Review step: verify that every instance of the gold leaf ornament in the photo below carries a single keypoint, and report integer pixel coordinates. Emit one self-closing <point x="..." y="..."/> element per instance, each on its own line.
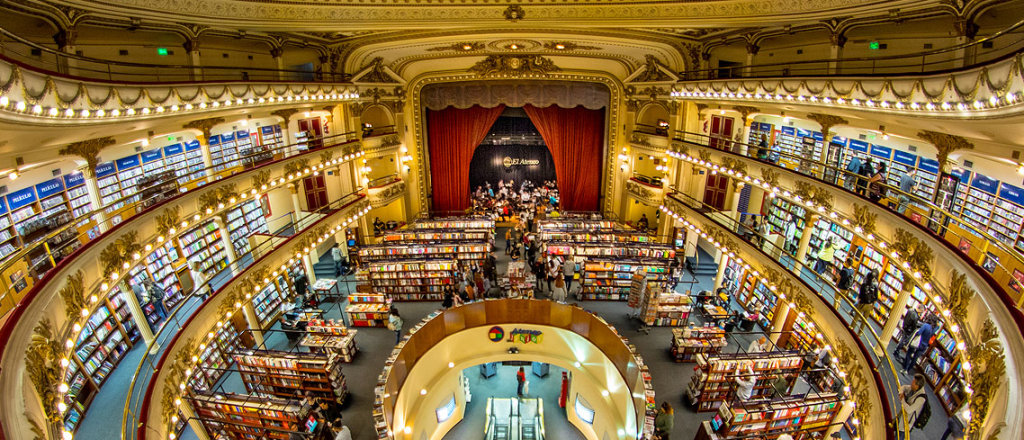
<point x="73" y="294"/>
<point x="42" y="363"/>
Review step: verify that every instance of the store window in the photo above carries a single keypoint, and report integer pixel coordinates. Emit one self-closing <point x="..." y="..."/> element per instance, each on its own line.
<point x="583" y="410"/>
<point x="446" y="410"/>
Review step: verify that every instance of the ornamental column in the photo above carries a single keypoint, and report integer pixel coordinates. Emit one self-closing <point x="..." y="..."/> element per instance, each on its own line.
<point x="89" y="150"/>
<point x="285" y="149"/>
<point x="752" y="50"/>
<point x="204" y="126"/>
<point x="838" y="42"/>
<point x="779" y="321"/>
<point x="723" y="262"/>
<point x="229" y="245"/>
<point x="92" y="188"/>
<point x="966" y="30"/>
<point x="296" y="207"/>
<point x="895" y="313"/>
<point x="191" y="47"/>
<point x="734" y="207"/>
<point x="193" y="422"/>
<point x="254" y="322"/>
<point x="136" y="311"/>
<point x="705" y="65"/>
<point x="278" y="54"/>
<point x="805" y="237"/>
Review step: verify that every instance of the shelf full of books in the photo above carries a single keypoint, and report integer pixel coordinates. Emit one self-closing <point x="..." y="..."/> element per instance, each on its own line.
<point x="330" y="336"/>
<point x="411" y="280"/>
<point x="244" y="417"/>
<point x="713" y="384"/>
<point x="610" y="279"/>
<point x="454" y="223"/>
<point x="411" y="236"/>
<point x="245" y="220"/>
<point x="101" y="345"/>
<point x="368" y="310"/>
<point x="651" y="251"/>
<point x="942" y="365"/>
<point x="464" y="252"/>
<point x="214" y="358"/>
<point x="203" y="244"/>
<point x="291" y="374"/>
<point x="688" y="342"/>
<point x="578" y="225"/>
<point x="804" y="417"/>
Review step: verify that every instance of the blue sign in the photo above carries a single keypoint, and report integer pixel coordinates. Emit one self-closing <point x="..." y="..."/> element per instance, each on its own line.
<point x="929" y="165"/>
<point x="3" y="206"/>
<point x="171" y="150"/>
<point x="985" y="184"/>
<point x="151" y="155"/>
<point x="788" y="130"/>
<point x="1011" y="193"/>
<point x="50" y="187"/>
<point x="127" y="162"/>
<point x="242" y="134"/>
<point x="227" y="137"/>
<point x="214" y="140"/>
<point x="192" y="146"/>
<point x="905" y="158"/>
<point x="963" y="175"/>
<point x="818" y="136"/>
<point x="277" y="129"/>
<point x="74" y="179"/>
<point x="105" y="169"/>
<point x="268" y="129"/>
<point x="839" y="140"/>
<point x="859" y="145"/>
<point x="21" y="198"/>
<point x="803" y="133"/>
<point x="880" y="151"/>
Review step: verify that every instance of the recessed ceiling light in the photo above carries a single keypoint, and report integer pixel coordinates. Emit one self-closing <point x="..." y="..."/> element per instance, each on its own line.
<point x="467" y="47"/>
<point x="559" y="46"/>
<point x="514" y="47"/>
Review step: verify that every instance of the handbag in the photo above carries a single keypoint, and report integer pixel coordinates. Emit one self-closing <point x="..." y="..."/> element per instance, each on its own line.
<point x="915" y="341"/>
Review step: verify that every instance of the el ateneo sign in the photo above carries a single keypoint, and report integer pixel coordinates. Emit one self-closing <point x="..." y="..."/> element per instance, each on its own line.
<point x="509" y="162"/>
<point x="517" y="335"/>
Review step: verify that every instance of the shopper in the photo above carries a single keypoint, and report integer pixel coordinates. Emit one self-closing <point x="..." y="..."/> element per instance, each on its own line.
<point x="395" y="324"/>
<point x="957" y="424"/>
<point x="866" y="298"/>
<point x="876" y="182"/>
<point x="520" y="381"/>
<point x="825" y="256"/>
<point x="911" y="321"/>
<point x="553" y="271"/>
<point x="643" y="224"/>
<point x="301" y="284"/>
<point x="341" y="432"/>
<point x="923" y="338"/>
<point x="338" y="259"/>
<point x="762" y="148"/>
<point x="760" y="345"/>
<point x="907" y="186"/>
<point x="155" y="295"/>
<point x="486" y="292"/>
<point x="559" y="293"/>
<point x="745" y="381"/>
<point x="449" y="298"/>
<point x="912" y="400"/>
<point x="852" y="169"/>
<point x="200" y="282"/>
<point x="508" y="240"/>
<point x="867" y="169"/>
<point x="790" y="233"/>
<point x="568" y="271"/>
<point x="664" y="421"/>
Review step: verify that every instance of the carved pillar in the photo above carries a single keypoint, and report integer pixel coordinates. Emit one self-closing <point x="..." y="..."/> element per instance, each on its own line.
<point x="324" y="68"/>
<point x="204" y="126"/>
<point x="288" y="143"/>
<point x="90" y="150"/>
<point x="92" y="188"/>
<point x="752" y="50"/>
<point x="778" y="321"/>
<point x="191" y="47"/>
<point x="734" y="203"/>
<point x="838" y="42"/>
<point x="966" y="30"/>
<point x="297" y="208"/>
<point x="278" y="54"/>
<point x="720" y="276"/>
<point x="945" y="144"/>
<point x="254" y="322"/>
<point x="805" y="238"/>
<point x="65" y="40"/>
<point x="705" y="65"/>
<point x="193" y="421"/>
<point x="745" y="112"/>
<point x="896" y="312"/>
<point x="229" y="246"/>
<point x="136" y="311"/>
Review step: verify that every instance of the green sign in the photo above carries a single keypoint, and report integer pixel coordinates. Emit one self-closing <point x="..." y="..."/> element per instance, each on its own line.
<point x="162" y="51"/>
<point x="170" y="138"/>
<point x="873" y="45"/>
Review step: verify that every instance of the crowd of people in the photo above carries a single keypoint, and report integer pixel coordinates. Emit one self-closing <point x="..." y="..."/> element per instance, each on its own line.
<point x="510" y="201"/>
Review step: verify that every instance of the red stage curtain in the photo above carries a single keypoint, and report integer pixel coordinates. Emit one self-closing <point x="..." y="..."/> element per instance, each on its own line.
<point x="453" y="135"/>
<point x="575" y="137"/>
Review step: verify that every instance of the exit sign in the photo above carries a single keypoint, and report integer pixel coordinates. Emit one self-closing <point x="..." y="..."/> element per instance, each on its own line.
<point x="873" y="45"/>
<point x="162" y="51"/>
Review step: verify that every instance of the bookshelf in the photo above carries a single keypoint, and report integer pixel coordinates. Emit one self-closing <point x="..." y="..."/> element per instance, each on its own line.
<point x="688" y="342"/>
<point x="463" y="252"/>
<point x="269" y="300"/>
<point x="81" y="392"/>
<point x="805" y="417"/>
<point x="942" y="367"/>
<point x="411" y="280"/>
<point x="160" y="264"/>
<point x="330" y="336"/>
<point x="245" y="220"/>
<point x="646" y="251"/>
<point x="673" y="309"/>
<point x="288" y="373"/>
<point x="243" y="417"/>
<point x="203" y="243"/>
<point x="214" y="359"/>
<point x="437" y="236"/>
<point x="454" y="223"/>
<point x="713" y="382"/>
<point x="610" y="279"/>
<point x="129" y="171"/>
<point x="368" y="310"/>
<point x="101" y="345"/>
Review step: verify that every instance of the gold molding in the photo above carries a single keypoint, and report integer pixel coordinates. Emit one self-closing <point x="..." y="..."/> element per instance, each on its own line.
<point x="119" y="252"/>
<point x="73" y="294"/>
<point x="945" y="144"/>
<point x="505" y="66"/>
<point x="204" y="126"/>
<point x="88" y="150"/>
<point x="42" y="363"/>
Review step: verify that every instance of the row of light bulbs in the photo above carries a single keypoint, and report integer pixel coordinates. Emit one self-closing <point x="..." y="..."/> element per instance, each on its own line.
<point x="991" y="103"/>
<point x="149" y="248"/>
<point x="809" y="206"/>
<point x="54" y="112"/>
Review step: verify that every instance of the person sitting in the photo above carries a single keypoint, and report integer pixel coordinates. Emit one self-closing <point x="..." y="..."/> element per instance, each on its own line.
<point x="378" y="226"/>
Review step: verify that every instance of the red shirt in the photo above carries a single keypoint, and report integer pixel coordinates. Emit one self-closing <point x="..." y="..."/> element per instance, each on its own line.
<point x="520" y="376"/>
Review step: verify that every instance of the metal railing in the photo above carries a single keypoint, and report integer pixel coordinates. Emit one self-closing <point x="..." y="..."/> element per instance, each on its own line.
<point x="934" y="218"/>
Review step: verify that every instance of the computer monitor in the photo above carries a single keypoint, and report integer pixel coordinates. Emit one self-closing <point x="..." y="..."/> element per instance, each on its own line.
<point x="351" y="242"/>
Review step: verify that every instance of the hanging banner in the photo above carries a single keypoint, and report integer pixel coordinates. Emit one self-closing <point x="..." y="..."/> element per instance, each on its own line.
<point x="50" y="187"/>
<point x="171" y="150"/>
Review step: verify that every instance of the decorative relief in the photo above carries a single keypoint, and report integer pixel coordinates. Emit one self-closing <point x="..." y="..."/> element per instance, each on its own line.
<point x="42" y="363"/>
<point x="827" y="122"/>
<point x="285" y="113"/>
<point x="169" y="219"/>
<point x="734" y="164"/>
<point x="390" y="141"/>
<point x="567" y="46"/>
<point x="88" y="150"/>
<point x="914" y="251"/>
<point x="204" y="126"/>
<point x="770" y="176"/>
<point x="514" y="66"/>
<point x="946" y="144"/>
<point x="514" y="13"/>
<point x="640" y="140"/>
<point x="380" y="197"/>
<point x="73" y="294"/>
<point x="987" y="374"/>
<point x="652" y="71"/>
<point x="864" y="217"/>
<point x="458" y="47"/>
<point x="119" y="252"/>
<point x="261" y="179"/>
<point x="296" y="166"/>
<point x="960" y="295"/>
<point x="645" y="194"/>
<point x="375" y="72"/>
<point x="858" y="383"/>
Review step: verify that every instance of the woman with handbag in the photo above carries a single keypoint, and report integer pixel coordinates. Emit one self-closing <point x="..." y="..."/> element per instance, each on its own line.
<point x="664" y="421"/>
<point x="395" y="324"/>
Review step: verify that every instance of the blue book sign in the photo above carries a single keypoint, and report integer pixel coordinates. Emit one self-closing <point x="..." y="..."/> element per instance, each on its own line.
<point x="242" y="134"/>
<point x="858" y="145"/>
<point x="905" y="158"/>
<point x="127" y="162"/>
<point x="50" y="187"/>
<point x="267" y="129"/>
<point x="880" y="151"/>
<point x="3" y="206"/>
<point x="21" y="198"/>
<point x="74" y="179"/>
<point x="105" y="169"/>
<point x="788" y="130"/>
<point x="929" y="165"/>
<point x="171" y="150"/>
<point x="227" y="137"/>
<point x="151" y="155"/>
<point x="985" y="184"/>
<point x="1011" y="193"/>
<point x="214" y="140"/>
<point x="192" y="146"/>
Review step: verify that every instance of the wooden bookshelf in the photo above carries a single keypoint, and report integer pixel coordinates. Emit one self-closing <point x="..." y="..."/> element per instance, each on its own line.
<point x="411" y="236"/>
<point x="368" y="310"/>
<point x="805" y="417"/>
<point x="713" y="383"/>
<point x="687" y="343"/>
<point x="288" y="374"/>
<point x="329" y="336"/>
<point x="611" y="279"/>
<point x="244" y="417"/>
<point x="411" y="280"/>
<point x="464" y="252"/>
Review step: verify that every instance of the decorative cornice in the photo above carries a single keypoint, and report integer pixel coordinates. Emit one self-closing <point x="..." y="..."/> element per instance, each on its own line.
<point x="120" y="252"/>
<point x="514" y="13"/>
<point x="42" y="363"/>
<point x="645" y="194"/>
<point x="827" y="122"/>
<point x="88" y="150"/>
<point x="567" y="46"/>
<point x="746" y="110"/>
<point x="514" y="66"/>
<point x="380" y="197"/>
<point x="459" y="47"/>
<point x="945" y="144"/>
<point x="204" y="126"/>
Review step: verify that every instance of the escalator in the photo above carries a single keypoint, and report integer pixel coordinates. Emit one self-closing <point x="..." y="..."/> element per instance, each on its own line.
<point x="514" y="419"/>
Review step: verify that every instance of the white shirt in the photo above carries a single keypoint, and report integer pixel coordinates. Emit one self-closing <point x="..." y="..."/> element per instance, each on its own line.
<point x="745" y="385"/>
<point x="198" y="279"/>
<point x="336" y="254"/>
<point x="755" y="347"/>
<point x="344" y="434"/>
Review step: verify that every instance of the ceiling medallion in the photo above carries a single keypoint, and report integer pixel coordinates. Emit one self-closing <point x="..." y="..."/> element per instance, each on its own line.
<point x="514" y="13"/>
<point x="458" y="47"/>
<point x="514" y="65"/>
<point x="514" y="45"/>
<point x="567" y="46"/>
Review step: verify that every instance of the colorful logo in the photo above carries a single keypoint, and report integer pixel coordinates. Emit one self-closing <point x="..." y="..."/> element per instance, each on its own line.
<point x="496" y="334"/>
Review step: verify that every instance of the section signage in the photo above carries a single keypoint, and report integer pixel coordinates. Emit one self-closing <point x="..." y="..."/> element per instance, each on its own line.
<point x="905" y="158"/>
<point x="151" y="155"/>
<point x="74" y="179"/>
<point x="985" y="184"/>
<point x="21" y="198"/>
<point x="105" y="169"/>
<point x="929" y="165"/>
<point x="880" y="151"/>
<point x="1011" y="193"/>
<point x="127" y="162"/>
<point x="858" y="145"/>
<point x="50" y="187"/>
<point x="192" y="146"/>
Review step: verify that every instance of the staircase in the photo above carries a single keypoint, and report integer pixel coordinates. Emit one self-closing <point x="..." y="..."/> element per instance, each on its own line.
<point x="703" y="265"/>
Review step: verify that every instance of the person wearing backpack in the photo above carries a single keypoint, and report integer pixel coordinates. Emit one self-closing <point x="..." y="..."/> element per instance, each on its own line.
<point x="155" y="295"/>
<point x="911" y="321"/>
<point x="395" y="324"/>
<point x="919" y="344"/>
<point x="866" y="298"/>
<point x="852" y="169"/>
<point x="915" y="410"/>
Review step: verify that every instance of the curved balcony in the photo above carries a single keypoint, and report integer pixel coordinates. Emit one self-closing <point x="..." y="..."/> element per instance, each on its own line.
<point x="61" y="300"/>
<point x="948" y="280"/>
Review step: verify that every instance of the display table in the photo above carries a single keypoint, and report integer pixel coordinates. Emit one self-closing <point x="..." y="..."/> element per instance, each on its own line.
<point x="672" y="309"/>
<point x="715" y="313"/>
<point x="688" y="342"/>
<point x="326" y="288"/>
<point x="368" y="310"/>
<point x="344" y="345"/>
